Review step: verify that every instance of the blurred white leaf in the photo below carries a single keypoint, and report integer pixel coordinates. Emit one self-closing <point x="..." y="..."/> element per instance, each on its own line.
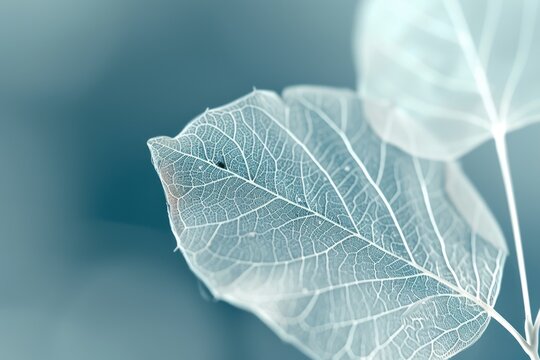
<point x="441" y="77"/>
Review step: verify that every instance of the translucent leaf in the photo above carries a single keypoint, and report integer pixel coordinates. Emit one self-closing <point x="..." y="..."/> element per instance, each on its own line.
<point x="347" y="247"/>
<point x="442" y="76"/>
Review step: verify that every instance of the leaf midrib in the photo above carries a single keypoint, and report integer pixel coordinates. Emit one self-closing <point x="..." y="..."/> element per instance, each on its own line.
<point x="420" y="268"/>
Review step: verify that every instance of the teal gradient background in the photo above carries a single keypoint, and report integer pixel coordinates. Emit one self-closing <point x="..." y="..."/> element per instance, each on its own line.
<point x="87" y="269"/>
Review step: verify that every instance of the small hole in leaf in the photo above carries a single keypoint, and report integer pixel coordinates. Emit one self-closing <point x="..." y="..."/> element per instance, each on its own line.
<point x="221" y="164"/>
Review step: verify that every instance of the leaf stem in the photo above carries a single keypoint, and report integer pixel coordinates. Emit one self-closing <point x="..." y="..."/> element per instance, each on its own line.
<point x="534" y="336"/>
<point x="502" y="153"/>
<point x="530" y="349"/>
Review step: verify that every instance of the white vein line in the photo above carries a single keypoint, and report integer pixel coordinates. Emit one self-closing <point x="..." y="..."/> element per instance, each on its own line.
<point x="361" y="165"/>
<point x="526" y="110"/>
<point x="494" y="276"/>
<point x="377" y="316"/>
<point x="263" y="144"/>
<point x="233" y="141"/>
<point x="320" y="291"/>
<point x="529" y="119"/>
<point x="315" y="161"/>
<point x="488" y="31"/>
<point x="196" y="186"/>
<point x="230" y="220"/>
<point x="524" y="47"/>
<point x="434" y="224"/>
<point x="471" y="56"/>
<point x="382" y="162"/>
<point x="442" y="112"/>
<point x="210" y="240"/>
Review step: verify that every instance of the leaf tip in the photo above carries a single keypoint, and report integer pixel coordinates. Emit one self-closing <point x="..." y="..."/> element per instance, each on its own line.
<point x="155" y="145"/>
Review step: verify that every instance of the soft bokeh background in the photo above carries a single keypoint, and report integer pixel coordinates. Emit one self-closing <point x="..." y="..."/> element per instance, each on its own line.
<point x="87" y="269"/>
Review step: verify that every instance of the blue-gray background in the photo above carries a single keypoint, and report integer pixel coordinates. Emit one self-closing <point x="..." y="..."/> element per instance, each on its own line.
<point x="87" y="269"/>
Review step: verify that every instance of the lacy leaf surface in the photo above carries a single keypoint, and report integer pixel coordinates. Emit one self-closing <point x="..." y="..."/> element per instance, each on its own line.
<point x="292" y="208"/>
